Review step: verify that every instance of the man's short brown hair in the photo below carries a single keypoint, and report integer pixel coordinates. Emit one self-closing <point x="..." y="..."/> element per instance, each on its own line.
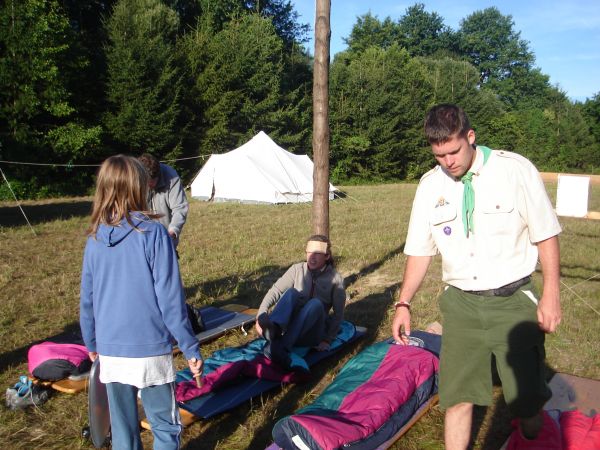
<point x="445" y="121"/>
<point x="152" y="165"/>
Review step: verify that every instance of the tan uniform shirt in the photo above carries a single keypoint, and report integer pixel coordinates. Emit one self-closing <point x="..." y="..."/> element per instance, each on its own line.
<point x="512" y="212"/>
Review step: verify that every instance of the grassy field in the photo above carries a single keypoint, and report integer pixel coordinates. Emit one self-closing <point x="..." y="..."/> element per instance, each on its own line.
<point x="232" y="253"/>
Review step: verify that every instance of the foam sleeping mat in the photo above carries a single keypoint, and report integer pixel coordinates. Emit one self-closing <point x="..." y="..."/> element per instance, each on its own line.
<point x="234" y="375"/>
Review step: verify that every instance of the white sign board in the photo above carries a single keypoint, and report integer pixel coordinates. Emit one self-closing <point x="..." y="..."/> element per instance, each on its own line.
<point x="572" y="196"/>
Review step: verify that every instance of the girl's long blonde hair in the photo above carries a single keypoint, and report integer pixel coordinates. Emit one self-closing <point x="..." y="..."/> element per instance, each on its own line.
<point x="121" y="188"/>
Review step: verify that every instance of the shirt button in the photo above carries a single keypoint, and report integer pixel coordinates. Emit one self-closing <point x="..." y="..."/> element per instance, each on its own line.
<point x="475" y="278"/>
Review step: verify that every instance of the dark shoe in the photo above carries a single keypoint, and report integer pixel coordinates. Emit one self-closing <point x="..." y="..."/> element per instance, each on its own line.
<point x="275" y="351"/>
<point x="271" y="331"/>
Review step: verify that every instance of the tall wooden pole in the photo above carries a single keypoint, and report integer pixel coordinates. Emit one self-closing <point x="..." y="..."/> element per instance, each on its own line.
<point x="320" y="142"/>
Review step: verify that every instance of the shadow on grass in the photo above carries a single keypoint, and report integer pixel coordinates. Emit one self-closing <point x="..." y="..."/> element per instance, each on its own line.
<point x="564" y="269"/>
<point x="350" y="279"/>
<point x="582" y="235"/>
<point x="71" y="334"/>
<point x="11" y="216"/>
<point x="250" y="288"/>
<point x="564" y="275"/>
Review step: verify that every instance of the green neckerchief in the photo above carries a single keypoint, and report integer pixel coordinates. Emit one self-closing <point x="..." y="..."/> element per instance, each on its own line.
<point x="469" y="195"/>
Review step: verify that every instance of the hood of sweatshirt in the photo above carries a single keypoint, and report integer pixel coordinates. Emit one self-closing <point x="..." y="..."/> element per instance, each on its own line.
<point x="112" y="236"/>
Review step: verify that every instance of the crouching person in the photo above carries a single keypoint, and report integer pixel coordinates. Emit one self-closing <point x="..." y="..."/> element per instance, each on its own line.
<point x="301" y="301"/>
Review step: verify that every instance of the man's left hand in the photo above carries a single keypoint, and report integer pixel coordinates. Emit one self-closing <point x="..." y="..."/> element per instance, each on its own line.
<point x="548" y="313"/>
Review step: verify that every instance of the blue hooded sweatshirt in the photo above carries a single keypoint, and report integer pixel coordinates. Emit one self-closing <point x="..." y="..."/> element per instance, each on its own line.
<point x="131" y="300"/>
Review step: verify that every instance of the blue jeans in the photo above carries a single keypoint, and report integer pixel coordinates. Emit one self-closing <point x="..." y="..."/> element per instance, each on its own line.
<point x="161" y="411"/>
<point x="303" y="324"/>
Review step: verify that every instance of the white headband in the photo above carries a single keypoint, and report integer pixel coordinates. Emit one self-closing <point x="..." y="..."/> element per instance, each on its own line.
<point x="316" y="247"/>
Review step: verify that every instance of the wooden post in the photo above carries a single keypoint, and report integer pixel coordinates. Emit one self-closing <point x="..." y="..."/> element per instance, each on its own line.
<point x="320" y="141"/>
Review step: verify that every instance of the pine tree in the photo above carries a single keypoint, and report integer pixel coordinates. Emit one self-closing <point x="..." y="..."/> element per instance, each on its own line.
<point x="238" y="74"/>
<point x="144" y="82"/>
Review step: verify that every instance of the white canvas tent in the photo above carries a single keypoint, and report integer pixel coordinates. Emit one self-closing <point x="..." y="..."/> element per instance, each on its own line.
<point x="257" y="172"/>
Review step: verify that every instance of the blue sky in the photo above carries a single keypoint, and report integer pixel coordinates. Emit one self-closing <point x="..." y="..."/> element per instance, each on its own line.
<point x="564" y="35"/>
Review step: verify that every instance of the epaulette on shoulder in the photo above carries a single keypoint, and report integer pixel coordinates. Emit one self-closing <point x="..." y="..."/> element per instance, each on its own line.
<point x="511" y="155"/>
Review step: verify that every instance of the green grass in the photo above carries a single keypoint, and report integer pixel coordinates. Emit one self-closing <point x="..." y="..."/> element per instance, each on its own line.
<point x="233" y="253"/>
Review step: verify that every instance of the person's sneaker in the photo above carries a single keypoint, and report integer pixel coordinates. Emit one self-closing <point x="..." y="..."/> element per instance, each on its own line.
<point x="271" y="331"/>
<point x="19" y="397"/>
<point x="547" y="439"/>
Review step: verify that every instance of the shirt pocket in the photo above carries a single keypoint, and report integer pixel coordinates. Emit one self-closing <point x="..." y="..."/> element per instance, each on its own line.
<point x="442" y="215"/>
<point x="497" y="222"/>
<point x="499" y="203"/>
<point x="442" y="219"/>
<point x="496" y="213"/>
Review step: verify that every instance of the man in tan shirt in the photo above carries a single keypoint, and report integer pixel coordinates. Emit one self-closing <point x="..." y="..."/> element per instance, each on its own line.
<point x="487" y="213"/>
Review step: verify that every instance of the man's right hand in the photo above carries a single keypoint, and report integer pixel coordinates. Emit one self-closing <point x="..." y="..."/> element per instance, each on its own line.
<point x="401" y="326"/>
<point x="414" y="273"/>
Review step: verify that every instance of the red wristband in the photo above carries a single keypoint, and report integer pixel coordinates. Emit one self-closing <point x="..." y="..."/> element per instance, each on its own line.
<point x="402" y="305"/>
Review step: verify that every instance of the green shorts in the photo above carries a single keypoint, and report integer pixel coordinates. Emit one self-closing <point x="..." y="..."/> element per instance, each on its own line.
<point x="477" y="327"/>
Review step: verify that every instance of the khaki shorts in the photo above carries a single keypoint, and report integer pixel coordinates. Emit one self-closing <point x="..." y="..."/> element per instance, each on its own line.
<point x="477" y="327"/>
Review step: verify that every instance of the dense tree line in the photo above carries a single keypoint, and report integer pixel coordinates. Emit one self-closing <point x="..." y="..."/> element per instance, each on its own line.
<point x="393" y="71"/>
<point x="83" y="79"/>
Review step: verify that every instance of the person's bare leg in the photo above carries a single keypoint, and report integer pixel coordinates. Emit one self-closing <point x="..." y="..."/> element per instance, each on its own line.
<point x="457" y="426"/>
<point x="531" y="426"/>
